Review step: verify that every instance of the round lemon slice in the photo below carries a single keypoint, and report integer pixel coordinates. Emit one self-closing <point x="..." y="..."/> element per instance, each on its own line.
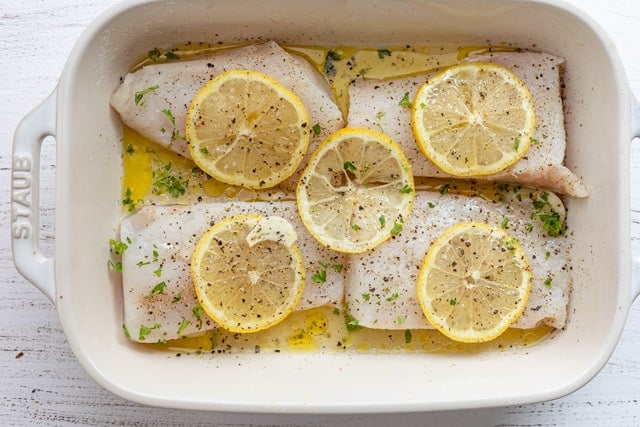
<point x="474" y="282"/>
<point x="248" y="272"/>
<point x="473" y="119"/>
<point x="356" y="191"/>
<point x="244" y="128"/>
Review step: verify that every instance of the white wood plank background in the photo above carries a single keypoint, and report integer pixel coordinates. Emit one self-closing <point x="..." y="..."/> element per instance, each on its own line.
<point x="41" y="383"/>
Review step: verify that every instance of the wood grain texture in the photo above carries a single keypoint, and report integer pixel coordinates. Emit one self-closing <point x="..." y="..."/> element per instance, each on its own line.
<point x="41" y="383"/>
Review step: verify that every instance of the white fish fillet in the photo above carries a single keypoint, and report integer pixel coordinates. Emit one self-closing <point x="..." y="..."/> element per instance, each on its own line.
<point x="179" y="81"/>
<point x="380" y="285"/>
<point x="374" y="104"/>
<point x="161" y="242"/>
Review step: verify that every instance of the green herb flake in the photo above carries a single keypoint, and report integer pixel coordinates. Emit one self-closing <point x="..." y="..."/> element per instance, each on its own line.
<point x="117" y="247"/>
<point x="177" y="298"/>
<point x="349" y="166"/>
<point x="516" y="144"/>
<point x="431" y="205"/>
<point x="383" y="52"/>
<point x="158" y="289"/>
<point x="171" y="55"/>
<point x="380" y="115"/>
<point x="142" y="263"/>
<point x="128" y="201"/>
<point x="130" y="149"/>
<point x="329" y="67"/>
<point x="405" y="101"/>
<point x="334" y="55"/>
<point x="323" y="264"/>
<point x="205" y="151"/>
<point x="183" y="326"/>
<point x="547" y="282"/>
<point x="351" y="323"/>
<point x="547" y="255"/>
<point x="167" y="112"/>
<point x="383" y="221"/>
<point x="534" y="141"/>
<point x="126" y="332"/>
<point x="117" y="266"/>
<point x="319" y="276"/>
<point x="406" y="189"/>
<point x="338" y="267"/>
<point x="401" y="319"/>
<point x="197" y="312"/>
<point x="445" y="189"/>
<point x="145" y="330"/>
<point x="505" y="223"/>
<point x="529" y="227"/>
<point x="394" y="296"/>
<point x="137" y="97"/>
<point x="336" y="311"/>
<point x="158" y="272"/>
<point x="397" y="228"/>
<point x="169" y="184"/>
<point x="175" y="135"/>
<point x="355" y="227"/>
<point x="154" y="54"/>
<point x="407" y="336"/>
<point x="545" y="136"/>
<point x="453" y="301"/>
<point x="366" y="297"/>
<point x="316" y="129"/>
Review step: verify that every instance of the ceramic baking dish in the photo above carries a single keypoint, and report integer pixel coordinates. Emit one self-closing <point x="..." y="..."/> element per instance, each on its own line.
<point x="601" y="120"/>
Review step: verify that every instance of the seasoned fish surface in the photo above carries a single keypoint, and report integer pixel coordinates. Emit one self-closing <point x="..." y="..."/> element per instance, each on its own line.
<point x="380" y="289"/>
<point x="160" y="302"/>
<point x="375" y="104"/>
<point x="170" y="87"/>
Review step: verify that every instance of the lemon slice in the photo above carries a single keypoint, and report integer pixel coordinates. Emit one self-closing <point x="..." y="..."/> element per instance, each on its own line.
<point x="474" y="282"/>
<point x="244" y="128"/>
<point x="356" y="191"/>
<point x="473" y="119"/>
<point x="248" y="272"/>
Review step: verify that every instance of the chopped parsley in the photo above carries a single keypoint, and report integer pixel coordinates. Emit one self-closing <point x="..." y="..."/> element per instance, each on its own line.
<point x="453" y="301"/>
<point x="516" y="144"/>
<point x="165" y="183"/>
<point x="445" y="189"/>
<point x="154" y="54"/>
<point x="126" y="331"/>
<point x="336" y="311"/>
<point x="171" y="55"/>
<point x="397" y="228"/>
<point x="550" y="220"/>
<point x="117" y="266"/>
<point x="547" y="282"/>
<point x="197" y="312"/>
<point x="130" y="149"/>
<point x="167" y="112"/>
<point x="158" y="272"/>
<point x="366" y="297"/>
<point x="383" y="52"/>
<point x="351" y="323"/>
<point x="407" y="336"/>
<point x="355" y="227"/>
<point x="534" y="141"/>
<point x="128" y="201"/>
<point x="137" y="97"/>
<point x="349" y="166"/>
<point x="158" y="289"/>
<point x="394" y="296"/>
<point x="405" y="101"/>
<point x="183" y="326"/>
<point x="117" y="247"/>
<point x="175" y="135"/>
<point x="177" y="298"/>
<point x="431" y="205"/>
<point x="316" y="129"/>
<point x="383" y="221"/>
<point x="319" y="276"/>
<point x="406" y="189"/>
<point x="205" y="151"/>
<point x="142" y="263"/>
<point x="380" y="115"/>
<point x="329" y="67"/>
<point x="505" y="223"/>
<point x="145" y="330"/>
<point x="336" y="267"/>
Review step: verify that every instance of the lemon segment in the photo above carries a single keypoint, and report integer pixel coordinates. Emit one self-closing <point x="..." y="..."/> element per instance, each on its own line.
<point x="248" y="272"/>
<point x="473" y="119"/>
<point x="356" y="191"/>
<point x="474" y="282"/>
<point x="244" y="128"/>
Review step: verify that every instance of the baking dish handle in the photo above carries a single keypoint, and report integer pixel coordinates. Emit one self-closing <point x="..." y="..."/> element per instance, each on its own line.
<point x="635" y="257"/>
<point x="25" y="196"/>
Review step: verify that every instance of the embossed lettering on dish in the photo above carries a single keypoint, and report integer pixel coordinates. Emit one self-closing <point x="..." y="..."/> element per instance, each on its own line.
<point x="21" y="197"/>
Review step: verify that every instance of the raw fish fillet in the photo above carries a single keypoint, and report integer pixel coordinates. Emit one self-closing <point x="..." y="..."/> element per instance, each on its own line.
<point x="179" y="81"/>
<point x="161" y="241"/>
<point x="380" y="284"/>
<point x="374" y="104"/>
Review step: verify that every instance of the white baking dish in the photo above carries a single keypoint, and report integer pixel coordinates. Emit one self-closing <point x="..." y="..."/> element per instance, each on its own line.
<point x="601" y="121"/>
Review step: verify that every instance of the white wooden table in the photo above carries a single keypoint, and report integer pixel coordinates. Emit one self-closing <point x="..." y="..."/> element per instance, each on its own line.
<point x="41" y="383"/>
